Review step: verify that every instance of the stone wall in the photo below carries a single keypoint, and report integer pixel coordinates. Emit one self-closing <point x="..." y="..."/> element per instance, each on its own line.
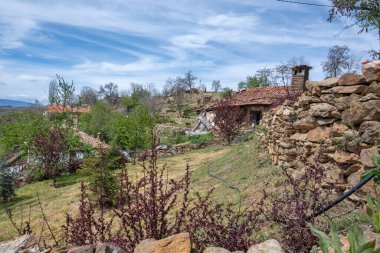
<point x="341" y="116"/>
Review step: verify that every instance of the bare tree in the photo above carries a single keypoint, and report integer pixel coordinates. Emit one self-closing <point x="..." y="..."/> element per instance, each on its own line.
<point x="202" y="87"/>
<point x="296" y="61"/>
<point x="179" y="90"/>
<point x="267" y="77"/>
<point x="216" y="86"/>
<point x="88" y="96"/>
<point x="64" y="92"/>
<point x="189" y="80"/>
<point x="52" y="91"/>
<point x="168" y="87"/>
<point x="283" y="72"/>
<point x="339" y="60"/>
<point x="110" y="92"/>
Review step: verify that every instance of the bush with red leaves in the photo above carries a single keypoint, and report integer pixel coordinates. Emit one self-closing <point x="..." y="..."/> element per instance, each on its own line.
<point x="228" y="120"/>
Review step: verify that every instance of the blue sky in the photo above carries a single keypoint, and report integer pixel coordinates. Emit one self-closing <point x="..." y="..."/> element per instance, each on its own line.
<point x="123" y="41"/>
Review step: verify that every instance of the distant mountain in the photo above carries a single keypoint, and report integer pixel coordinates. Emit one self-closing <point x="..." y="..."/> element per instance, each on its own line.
<point x="15" y="103"/>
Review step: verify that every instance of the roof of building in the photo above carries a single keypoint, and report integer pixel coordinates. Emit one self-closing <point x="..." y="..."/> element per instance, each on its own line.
<point x="92" y="141"/>
<point x="260" y="95"/>
<point x="58" y="108"/>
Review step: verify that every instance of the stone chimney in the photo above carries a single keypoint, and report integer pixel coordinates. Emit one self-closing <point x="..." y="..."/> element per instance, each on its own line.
<point x="300" y="74"/>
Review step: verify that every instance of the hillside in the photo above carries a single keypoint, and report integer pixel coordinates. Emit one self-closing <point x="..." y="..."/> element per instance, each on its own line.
<point x="235" y="164"/>
<point x="14" y="103"/>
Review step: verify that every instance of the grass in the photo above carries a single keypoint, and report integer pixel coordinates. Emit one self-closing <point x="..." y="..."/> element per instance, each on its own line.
<point x="242" y="165"/>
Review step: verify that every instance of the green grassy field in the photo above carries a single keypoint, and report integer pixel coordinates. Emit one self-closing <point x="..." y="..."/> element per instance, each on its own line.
<point x="242" y="165"/>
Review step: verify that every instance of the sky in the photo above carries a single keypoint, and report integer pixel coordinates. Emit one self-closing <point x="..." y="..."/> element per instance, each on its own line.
<point x="93" y="42"/>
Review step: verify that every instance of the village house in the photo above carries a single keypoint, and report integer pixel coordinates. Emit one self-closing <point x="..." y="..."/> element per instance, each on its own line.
<point x="253" y="102"/>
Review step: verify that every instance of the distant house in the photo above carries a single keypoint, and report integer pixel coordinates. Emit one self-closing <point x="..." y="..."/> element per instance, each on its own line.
<point x="254" y="101"/>
<point x="95" y="143"/>
<point x="16" y="161"/>
<point x="53" y="109"/>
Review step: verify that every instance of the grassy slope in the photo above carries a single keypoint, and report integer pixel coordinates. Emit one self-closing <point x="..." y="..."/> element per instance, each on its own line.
<point x="242" y="165"/>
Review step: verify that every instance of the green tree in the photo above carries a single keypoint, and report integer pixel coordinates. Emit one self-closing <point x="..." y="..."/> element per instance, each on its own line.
<point x="99" y="120"/>
<point x="365" y="13"/>
<point x="134" y="132"/>
<point x="18" y="128"/>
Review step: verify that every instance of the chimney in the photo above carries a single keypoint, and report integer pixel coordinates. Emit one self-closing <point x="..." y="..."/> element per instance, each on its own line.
<point x="300" y="74"/>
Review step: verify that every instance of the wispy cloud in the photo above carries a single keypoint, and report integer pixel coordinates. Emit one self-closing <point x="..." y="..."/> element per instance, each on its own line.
<point x="94" y="42"/>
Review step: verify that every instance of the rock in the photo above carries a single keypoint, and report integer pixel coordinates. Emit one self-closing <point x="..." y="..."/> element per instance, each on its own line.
<point x="179" y="243"/>
<point x="368" y="97"/>
<point x="355" y="178"/>
<point x="343" y="103"/>
<point x="322" y="110"/>
<point x="107" y="248"/>
<point x="338" y="129"/>
<point x="342" y="157"/>
<point x="366" y="156"/>
<point x="20" y="244"/>
<point x="369" y="131"/>
<point x="351" y="79"/>
<point x="216" y="250"/>
<point x="306" y="100"/>
<point x="353" y="168"/>
<point x="306" y="123"/>
<point x="371" y="71"/>
<point x="360" y="112"/>
<point x="269" y="246"/>
<point x="346" y="89"/>
<point x="298" y="137"/>
<point x="323" y="122"/>
<point x="83" y="249"/>
<point x="327" y="83"/>
<point x="373" y="88"/>
<point x="318" y="134"/>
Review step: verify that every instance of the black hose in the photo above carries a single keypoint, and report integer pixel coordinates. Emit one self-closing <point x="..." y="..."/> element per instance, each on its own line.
<point x="342" y="197"/>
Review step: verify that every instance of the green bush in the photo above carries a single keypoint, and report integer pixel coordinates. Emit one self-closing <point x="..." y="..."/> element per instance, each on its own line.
<point x="35" y="173"/>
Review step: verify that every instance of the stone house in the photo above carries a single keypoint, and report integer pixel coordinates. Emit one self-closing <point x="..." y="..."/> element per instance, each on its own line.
<point x="254" y="101"/>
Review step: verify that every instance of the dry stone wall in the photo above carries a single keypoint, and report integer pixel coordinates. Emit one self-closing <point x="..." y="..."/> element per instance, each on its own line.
<point x="340" y="117"/>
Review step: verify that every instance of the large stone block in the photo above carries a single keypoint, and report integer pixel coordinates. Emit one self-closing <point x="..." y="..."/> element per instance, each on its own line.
<point x="179" y="243"/>
<point x="269" y="246"/>
<point x="323" y="110"/>
<point x="351" y="79"/>
<point x="360" y="112"/>
<point x="371" y="71"/>
<point x="372" y="88"/>
<point x="346" y="89"/>
<point x="318" y="134"/>
<point x="370" y="131"/>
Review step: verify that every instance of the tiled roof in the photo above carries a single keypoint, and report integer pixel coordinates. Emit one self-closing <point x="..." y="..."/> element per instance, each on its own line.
<point x="58" y="108"/>
<point x="92" y="141"/>
<point x="260" y="95"/>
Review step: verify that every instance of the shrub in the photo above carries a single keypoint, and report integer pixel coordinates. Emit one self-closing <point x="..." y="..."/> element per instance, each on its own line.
<point x="7" y="184"/>
<point x="356" y="239"/>
<point x="153" y="206"/>
<point x="292" y="208"/>
<point x="50" y="149"/>
<point x="228" y="120"/>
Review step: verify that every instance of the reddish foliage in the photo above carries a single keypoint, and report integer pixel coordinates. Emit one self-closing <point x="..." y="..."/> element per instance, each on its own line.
<point x="228" y="119"/>
<point x="290" y="95"/>
<point x="157" y="207"/>
<point x="50" y="149"/>
<point x="292" y="209"/>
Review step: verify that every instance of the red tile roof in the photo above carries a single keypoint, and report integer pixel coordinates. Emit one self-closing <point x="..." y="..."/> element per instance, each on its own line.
<point x="57" y="108"/>
<point x="260" y="95"/>
<point x="92" y="141"/>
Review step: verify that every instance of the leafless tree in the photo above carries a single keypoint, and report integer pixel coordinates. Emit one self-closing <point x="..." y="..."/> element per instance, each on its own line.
<point x="52" y="91"/>
<point x="109" y="92"/>
<point x="283" y="72"/>
<point x="296" y="61"/>
<point x="189" y="80"/>
<point x="216" y="86"/>
<point x="168" y="87"/>
<point x="202" y="87"/>
<point x="88" y="96"/>
<point x="339" y="60"/>
<point x="179" y="90"/>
